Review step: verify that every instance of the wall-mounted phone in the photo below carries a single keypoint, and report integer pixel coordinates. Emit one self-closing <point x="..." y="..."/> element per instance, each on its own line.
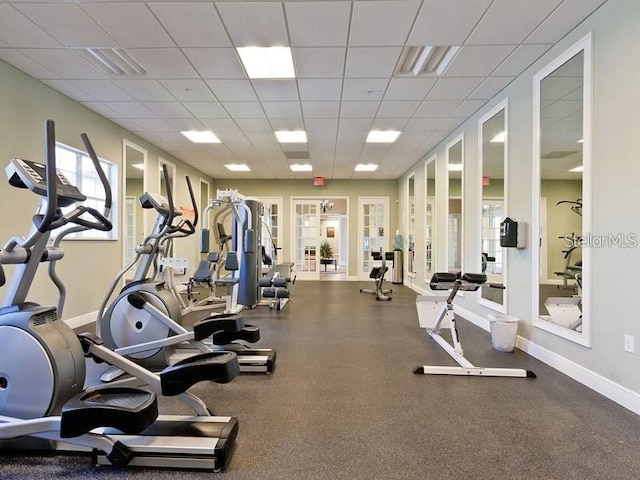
<point x="513" y="234"/>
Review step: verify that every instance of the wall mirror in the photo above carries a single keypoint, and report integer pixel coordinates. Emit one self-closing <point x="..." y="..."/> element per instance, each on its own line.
<point x="493" y="156"/>
<point x="429" y="217"/>
<point x="562" y="93"/>
<point x="455" y="165"/>
<point x="135" y="163"/>
<point x="411" y="225"/>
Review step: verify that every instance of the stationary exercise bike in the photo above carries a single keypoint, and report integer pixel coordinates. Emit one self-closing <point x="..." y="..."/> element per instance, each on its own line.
<point x="42" y="365"/>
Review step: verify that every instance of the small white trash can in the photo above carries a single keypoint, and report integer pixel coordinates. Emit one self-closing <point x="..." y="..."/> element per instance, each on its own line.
<point x="504" y="332"/>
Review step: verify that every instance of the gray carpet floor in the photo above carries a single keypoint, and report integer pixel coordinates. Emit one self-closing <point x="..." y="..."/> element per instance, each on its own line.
<point x="343" y="404"/>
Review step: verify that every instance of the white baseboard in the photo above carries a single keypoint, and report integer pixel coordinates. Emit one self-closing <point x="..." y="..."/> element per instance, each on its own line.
<point x="612" y="390"/>
<point x="82" y="320"/>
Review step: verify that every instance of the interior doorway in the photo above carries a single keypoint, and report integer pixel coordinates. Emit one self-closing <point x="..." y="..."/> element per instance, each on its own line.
<point x="331" y="257"/>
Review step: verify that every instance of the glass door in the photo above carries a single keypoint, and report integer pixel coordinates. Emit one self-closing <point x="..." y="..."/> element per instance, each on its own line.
<point x="372" y="232"/>
<point x="306" y="238"/>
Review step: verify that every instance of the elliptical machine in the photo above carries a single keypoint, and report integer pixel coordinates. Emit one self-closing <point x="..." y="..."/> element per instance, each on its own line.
<point x="43" y="397"/>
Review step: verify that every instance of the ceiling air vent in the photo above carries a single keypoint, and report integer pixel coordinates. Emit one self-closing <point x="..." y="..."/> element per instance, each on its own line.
<point x="296" y="155"/>
<point x="425" y="60"/>
<point x="114" y="62"/>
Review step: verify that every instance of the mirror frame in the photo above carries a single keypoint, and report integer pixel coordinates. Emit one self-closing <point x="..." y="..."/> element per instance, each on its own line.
<point x="584" y="45"/>
<point x="411" y="229"/>
<point x="145" y="214"/>
<point x="456" y="139"/>
<point x="434" y="217"/>
<point x="502" y="105"/>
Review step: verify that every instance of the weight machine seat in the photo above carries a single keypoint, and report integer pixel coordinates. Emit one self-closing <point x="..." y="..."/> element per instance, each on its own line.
<point x="230" y="264"/>
<point x="130" y="410"/>
<point x="203" y="272"/>
<point x="219" y="367"/>
<point x="478" y="278"/>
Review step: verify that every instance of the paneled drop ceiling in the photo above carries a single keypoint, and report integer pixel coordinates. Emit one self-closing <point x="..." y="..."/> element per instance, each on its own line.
<point x="345" y="54"/>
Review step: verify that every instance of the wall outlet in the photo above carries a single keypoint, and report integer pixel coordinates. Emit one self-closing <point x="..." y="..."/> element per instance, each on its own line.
<point x="629" y="344"/>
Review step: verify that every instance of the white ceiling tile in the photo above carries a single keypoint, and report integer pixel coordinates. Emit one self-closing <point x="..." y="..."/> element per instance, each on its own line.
<point x="103" y="110"/>
<point x="359" y="109"/>
<point x="18" y="31"/>
<point x="287" y="124"/>
<point x="450" y="124"/>
<point x="154" y="125"/>
<point x="390" y="109"/>
<point x="219" y="125"/>
<point x="320" y="23"/>
<point x="170" y="137"/>
<point x="282" y="109"/>
<point x="254" y="23"/>
<point x="130" y="24"/>
<point x="371" y="25"/>
<point x="26" y="64"/>
<point x="244" y="109"/>
<point x="128" y="124"/>
<point x="454" y="88"/>
<point x="389" y="123"/>
<point x="509" y="22"/>
<point x="192" y="24"/>
<point x="320" y="89"/>
<point x="206" y="109"/>
<point x="164" y="62"/>
<point x="364" y="89"/>
<point x="362" y="125"/>
<point x="69" y="90"/>
<point x="168" y="109"/>
<point x="422" y="125"/>
<point x="520" y="59"/>
<point x="436" y="108"/>
<point x="562" y="20"/>
<point x="374" y="152"/>
<point x="145" y="90"/>
<point x="266" y="137"/>
<point x="324" y="125"/>
<point x="320" y="109"/>
<point x="182" y="124"/>
<point x="490" y="87"/>
<point x="319" y="62"/>
<point x="409" y="88"/>
<point x="366" y="62"/>
<point x="215" y="62"/>
<point x="468" y="108"/>
<point x="250" y="125"/>
<point x="478" y="60"/>
<point x="233" y="90"/>
<point x="68" y="24"/>
<point x="446" y="22"/>
<point x="103" y="90"/>
<point x="64" y="63"/>
<point x="134" y="110"/>
<point x="188" y="90"/>
<point x="276" y="90"/>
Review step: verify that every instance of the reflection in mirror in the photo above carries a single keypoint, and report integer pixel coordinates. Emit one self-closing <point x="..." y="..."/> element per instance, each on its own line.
<point x="562" y="152"/>
<point x="454" y="221"/>
<point x="429" y="217"/>
<point x="135" y="159"/>
<point x="493" y="152"/>
<point x="411" y="226"/>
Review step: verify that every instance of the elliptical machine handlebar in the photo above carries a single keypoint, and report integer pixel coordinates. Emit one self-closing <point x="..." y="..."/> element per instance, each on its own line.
<point x="186" y="227"/>
<point x="52" y="189"/>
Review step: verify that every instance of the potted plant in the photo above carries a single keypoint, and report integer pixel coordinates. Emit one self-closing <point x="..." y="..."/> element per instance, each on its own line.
<point x="326" y="250"/>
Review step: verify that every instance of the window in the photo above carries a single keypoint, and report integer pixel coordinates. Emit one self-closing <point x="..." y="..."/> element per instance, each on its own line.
<point x="78" y="168"/>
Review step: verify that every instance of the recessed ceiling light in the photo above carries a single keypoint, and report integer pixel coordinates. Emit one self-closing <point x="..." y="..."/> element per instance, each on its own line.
<point x="267" y="62"/>
<point x="301" y="167"/>
<point x="201" y="136"/>
<point x="139" y="166"/>
<point x="382" y="136"/>
<point x="366" y="167"/>
<point x="238" y="167"/>
<point x="499" y="138"/>
<point x="293" y="136"/>
<point x="577" y="169"/>
<point x="455" y="167"/>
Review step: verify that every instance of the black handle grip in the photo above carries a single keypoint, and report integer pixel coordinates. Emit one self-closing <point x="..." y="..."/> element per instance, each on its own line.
<point x="101" y="174"/>
<point x="194" y="204"/>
